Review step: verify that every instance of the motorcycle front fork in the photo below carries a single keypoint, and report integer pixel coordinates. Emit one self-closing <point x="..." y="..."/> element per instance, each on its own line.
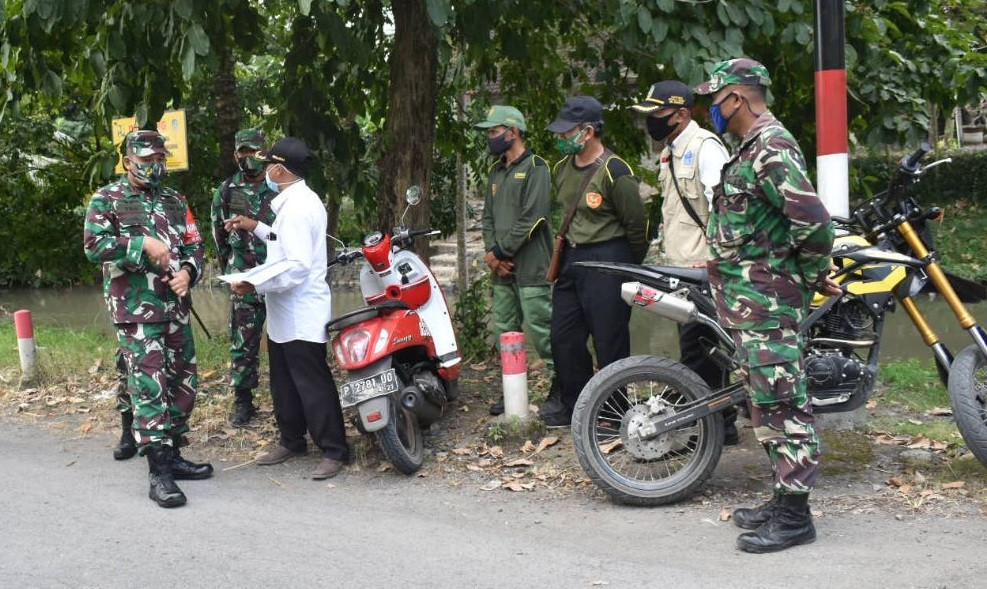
<point x="939" y="280"/>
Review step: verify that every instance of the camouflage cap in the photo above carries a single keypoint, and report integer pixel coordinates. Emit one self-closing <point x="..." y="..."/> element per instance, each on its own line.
<point x="502" y="115"/>
<point x="145" y="143"/>
<point x="250" y="138"/>
<point x="735" y="71"/>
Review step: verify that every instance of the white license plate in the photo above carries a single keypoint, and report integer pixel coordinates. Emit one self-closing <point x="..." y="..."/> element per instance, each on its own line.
<point x="358" y="391"/>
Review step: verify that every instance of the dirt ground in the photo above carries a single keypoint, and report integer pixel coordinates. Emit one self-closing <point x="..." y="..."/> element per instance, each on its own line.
<point x="863" y="471"/>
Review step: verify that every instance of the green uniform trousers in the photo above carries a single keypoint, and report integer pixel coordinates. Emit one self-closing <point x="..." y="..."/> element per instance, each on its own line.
<point x="529" y="307"/>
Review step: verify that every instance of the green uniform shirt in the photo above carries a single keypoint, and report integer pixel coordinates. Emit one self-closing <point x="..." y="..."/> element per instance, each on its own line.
<point x="609" y="207"/>
<point x="118" y="219"/>
<point x="769" y="234"/>
<point x="240" y="250"/>
<point x="515" y="217"/>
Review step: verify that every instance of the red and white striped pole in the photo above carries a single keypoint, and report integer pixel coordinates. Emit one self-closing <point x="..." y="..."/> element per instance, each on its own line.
<point x="514" y="367"/>
<point x="24" y="327"/>
<point x="832" y="147"/>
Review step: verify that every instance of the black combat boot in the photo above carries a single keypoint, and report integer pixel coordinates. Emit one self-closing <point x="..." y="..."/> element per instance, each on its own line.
<point x="243" y="407"/>
<point x="498" y="407"/>
<point x="163" y="489"/>
<point x="186" y="470"/>
<point x="751" y="518"/>
<point x="790" y="525"/>
<point x="127" y="447"/>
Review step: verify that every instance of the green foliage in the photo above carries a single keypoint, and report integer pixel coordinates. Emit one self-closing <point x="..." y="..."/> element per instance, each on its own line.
<point x="914" y="384"/>
<point x="471" y="319"/>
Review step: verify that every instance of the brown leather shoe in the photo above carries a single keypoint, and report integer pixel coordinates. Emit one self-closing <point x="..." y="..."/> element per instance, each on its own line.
<point x="276" y="456"/>
<point x="327" y="468"/>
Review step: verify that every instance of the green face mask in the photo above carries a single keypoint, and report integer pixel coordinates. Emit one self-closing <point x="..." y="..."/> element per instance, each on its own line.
<point x="570" y="145"/>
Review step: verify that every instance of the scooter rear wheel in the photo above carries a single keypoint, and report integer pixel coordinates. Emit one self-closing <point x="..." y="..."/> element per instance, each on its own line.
<point x="401" y="439"/>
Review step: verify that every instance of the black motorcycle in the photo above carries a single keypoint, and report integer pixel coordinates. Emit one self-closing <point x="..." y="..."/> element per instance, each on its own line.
<point x="647" y="430"/>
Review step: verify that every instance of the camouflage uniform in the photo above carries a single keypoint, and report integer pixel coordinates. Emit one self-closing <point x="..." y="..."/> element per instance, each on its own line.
<point x="770" y="239"/>
<point x="152" y="322"/>
<point x="123" y="395"/>
<point x="240" y="251"/>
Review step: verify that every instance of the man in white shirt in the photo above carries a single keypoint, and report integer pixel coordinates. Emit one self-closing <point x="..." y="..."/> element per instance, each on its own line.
<point x="691" y="161"/>
<point x="298" y="308"/>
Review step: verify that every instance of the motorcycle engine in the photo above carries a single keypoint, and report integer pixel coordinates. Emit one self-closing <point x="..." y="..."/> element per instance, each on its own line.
<point x="850" y="320"/>
<point x="830" y="374"/>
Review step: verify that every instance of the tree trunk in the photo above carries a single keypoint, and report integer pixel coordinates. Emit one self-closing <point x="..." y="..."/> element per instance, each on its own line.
<point x="227" y="111"/>
<point x="409" y="133"/>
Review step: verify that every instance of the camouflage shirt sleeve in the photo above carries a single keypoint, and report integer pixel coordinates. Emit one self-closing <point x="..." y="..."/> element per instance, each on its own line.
<point x="219" y="234"/>
<point x="104" y="242"/>
<point x="781" y="174"/>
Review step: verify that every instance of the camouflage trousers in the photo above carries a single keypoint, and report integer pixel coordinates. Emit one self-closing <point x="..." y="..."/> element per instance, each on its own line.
<point x="780" y="409"/>
<point x="162" y="378"/>
<point x="123" y="395"/>
<point x="530" y="306"/>
<point x="247" y="315"/>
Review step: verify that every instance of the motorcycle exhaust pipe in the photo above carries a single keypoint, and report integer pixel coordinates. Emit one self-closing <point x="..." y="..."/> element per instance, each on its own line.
<point x="660" y="303"/>
<point x="414" y="400"/>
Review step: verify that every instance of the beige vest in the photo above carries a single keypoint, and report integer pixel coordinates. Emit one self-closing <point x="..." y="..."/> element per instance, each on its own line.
<point x="684" y="241"/>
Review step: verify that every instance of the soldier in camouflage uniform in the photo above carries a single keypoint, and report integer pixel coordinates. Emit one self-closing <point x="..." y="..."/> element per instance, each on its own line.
<point x="244" y="193"/>
<point x="770" y="238"/>
<point x="146" y="239"/>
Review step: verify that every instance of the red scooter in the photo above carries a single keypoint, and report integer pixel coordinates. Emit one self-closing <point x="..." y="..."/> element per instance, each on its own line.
<point x="399" y="352"/>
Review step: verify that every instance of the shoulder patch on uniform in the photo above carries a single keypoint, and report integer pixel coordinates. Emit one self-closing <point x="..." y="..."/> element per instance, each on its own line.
<point x="617" y="167"/>
<point x="688" y="158"/>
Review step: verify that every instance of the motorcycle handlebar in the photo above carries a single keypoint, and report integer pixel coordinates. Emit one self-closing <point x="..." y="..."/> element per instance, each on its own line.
<point x="910" y="162"/>
<point x="345" y="257"/>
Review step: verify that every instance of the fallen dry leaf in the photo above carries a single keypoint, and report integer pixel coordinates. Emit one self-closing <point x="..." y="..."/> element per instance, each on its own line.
<point x="513" y="486"/>
<point x="207" y="374"/>
<point x="941" y="411"/>
<point x="461" y="451"/>
<point x="871" y="404"/>
<point x="528" y="447"/>
<point x="611" y="446"/>
<point x="895" y="481"/>
<point x="905" y="489"/>
<point x="485" y="462"/>
<point x="491" y="485"/>
<point x="914" y="421"/>
<point x="920" y="442"/>
<point x="725" y="515"/>
<point x="496" y="452"/>
<point x="86" y="427"/>
<point x="519" y="462"/>
<point x="939" y="446"/>
<point x="954" y="485"/>
<point x="384" y="467"/>
<point x="918" y="478"/>
<point x="473" y="467"/>
<point x="546" y="442"/>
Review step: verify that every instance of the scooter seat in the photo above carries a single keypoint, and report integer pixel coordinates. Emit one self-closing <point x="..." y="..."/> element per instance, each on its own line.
<point x="691" y="275"/>
<point x="363" y="314"/>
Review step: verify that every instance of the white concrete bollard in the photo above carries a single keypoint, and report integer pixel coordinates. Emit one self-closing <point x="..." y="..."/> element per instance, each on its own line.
<point x="25" y="343"/>
<point x="514" y="367"/>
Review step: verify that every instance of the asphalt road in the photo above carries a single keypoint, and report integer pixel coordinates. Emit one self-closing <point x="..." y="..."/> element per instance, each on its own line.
<point x="70" y="516"/>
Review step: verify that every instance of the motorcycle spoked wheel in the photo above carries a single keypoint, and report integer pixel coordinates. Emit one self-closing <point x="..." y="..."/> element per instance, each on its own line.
<point x="667" y="469"/>
<point x="401" y="440"/>
<point x="968" y="398"/>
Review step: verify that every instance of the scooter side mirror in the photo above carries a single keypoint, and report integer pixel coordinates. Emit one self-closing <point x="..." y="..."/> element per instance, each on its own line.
<point x="413" y="195"/>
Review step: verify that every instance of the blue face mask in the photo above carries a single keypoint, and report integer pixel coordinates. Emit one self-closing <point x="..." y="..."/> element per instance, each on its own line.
<point x="271" y="183"/>
<point x="719" y="121"/>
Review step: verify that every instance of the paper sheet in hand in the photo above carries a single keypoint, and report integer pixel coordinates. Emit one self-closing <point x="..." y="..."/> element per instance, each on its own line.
<point x="258" y="275"/>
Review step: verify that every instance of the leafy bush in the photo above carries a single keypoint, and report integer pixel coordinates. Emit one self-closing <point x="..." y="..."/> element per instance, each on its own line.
<point x="963" y="179"/>
<point x="472" y="321"/>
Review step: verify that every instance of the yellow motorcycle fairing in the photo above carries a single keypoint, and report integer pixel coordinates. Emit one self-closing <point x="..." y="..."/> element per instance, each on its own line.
<point x="881" y="276"/>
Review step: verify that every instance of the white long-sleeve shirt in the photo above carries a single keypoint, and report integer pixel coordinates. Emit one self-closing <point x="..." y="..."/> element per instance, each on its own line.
<point x="299" y="303"/>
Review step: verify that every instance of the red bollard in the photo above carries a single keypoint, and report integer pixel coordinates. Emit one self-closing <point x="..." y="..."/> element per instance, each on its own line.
<point x="514" y="366"/>
<point x="25" y="343"/>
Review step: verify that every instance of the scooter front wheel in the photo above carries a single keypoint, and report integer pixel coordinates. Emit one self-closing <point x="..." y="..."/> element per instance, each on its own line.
<point x="401" y="439"/>
<point x="968" y="397"/>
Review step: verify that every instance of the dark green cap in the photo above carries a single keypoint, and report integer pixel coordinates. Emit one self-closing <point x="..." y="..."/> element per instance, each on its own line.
<point x="735" y="71"/>
<point x="145" y="143"/>
<point x="502" y="115"/>
<point x="250" y="138"/>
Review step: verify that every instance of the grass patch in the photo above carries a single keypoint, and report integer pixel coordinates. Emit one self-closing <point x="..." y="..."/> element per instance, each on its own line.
<point x="845" y="451"/>
<point x="913" y="384"/>
<point x="962" y="239"/>
<point x="942" y="430"/>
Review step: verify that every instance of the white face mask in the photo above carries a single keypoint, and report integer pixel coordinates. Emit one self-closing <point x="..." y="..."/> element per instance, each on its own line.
<point x="274" y="185"/>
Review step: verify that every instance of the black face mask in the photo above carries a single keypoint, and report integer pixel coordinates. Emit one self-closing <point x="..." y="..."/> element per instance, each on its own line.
<point x="499" y="144"/>
<point x="660" y="128"/>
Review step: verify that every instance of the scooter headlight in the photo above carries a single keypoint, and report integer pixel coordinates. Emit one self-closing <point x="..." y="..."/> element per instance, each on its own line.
<point x="356" y="343"/>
